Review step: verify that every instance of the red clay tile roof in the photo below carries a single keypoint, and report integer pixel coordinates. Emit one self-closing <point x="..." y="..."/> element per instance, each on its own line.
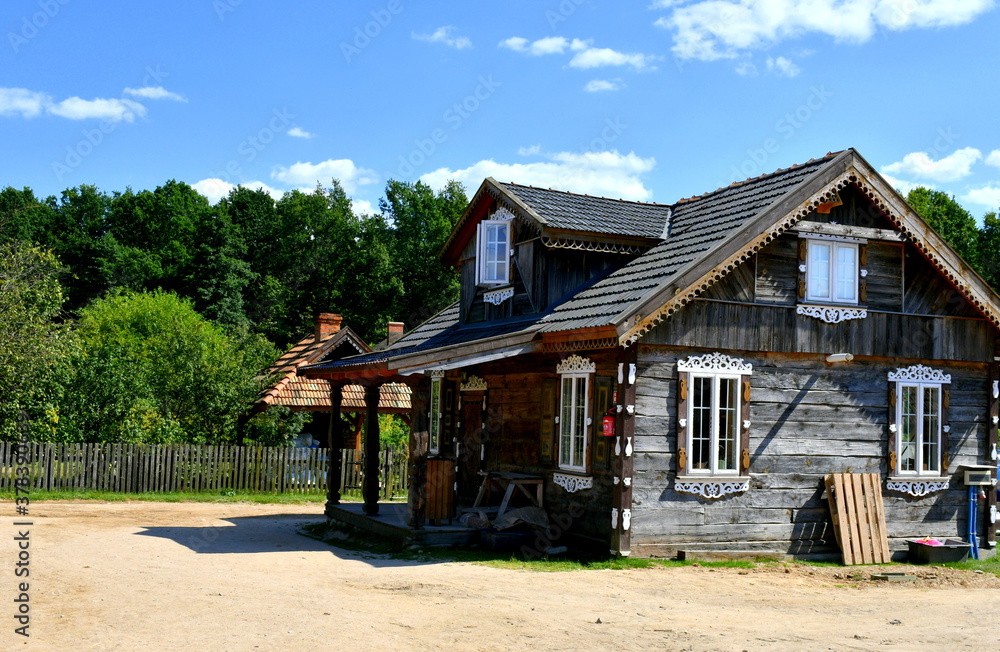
<point x="301" y="393"/>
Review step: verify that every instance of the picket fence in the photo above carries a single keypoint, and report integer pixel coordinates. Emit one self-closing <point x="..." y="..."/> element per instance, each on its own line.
<point x="134" y="468"/>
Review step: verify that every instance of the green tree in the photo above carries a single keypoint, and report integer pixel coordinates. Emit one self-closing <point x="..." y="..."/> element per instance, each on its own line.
<point x="989" y="250"/>
<point x="952" y="222"/>
<point x="421" y="222"/>
<point x="150" y="369"/>
<point x="35" y="345"/>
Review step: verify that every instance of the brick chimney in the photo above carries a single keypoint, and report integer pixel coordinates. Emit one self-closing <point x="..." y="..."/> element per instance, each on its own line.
<point x="327" y="325"/>
<point x="395" y="331"/>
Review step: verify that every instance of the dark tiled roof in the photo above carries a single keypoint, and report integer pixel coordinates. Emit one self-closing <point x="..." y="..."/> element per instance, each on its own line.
<point x="564" y="210"/>
<point x="697" y="225"/>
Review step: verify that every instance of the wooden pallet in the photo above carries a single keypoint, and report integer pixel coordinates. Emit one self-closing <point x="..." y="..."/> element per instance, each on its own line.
<point x="858" y="517"/>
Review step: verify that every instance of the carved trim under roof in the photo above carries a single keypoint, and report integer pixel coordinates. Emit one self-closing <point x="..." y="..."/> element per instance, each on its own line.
<point x="919" y="373"/>
<point x="473" y="384"/>
<point x="714" y="362"/>
<point x="575" y="364"/>
<point x="852" y="176"/>
<point x="590" y="245"/>
<point x="496" y="297"/>
<point x="501" y="214"/>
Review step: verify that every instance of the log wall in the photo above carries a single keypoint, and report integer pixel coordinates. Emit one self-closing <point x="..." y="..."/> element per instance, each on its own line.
<point x="808" y="419"/>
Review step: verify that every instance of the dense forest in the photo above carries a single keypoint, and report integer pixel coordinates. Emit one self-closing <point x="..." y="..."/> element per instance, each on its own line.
<point x="150" y="316"/>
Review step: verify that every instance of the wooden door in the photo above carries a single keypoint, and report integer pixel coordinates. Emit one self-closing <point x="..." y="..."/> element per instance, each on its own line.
<point x="470" y="445"/>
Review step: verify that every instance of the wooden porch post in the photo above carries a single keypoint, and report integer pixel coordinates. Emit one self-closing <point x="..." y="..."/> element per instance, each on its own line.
<point x="419" y="405"/>
<point x="335" y="434"/>
<point x="370" y="490"/>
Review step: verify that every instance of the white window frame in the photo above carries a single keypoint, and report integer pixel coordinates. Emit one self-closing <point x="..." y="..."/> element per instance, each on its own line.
<point x="833" y="276"/>
<point x="572" y="370"/>
<point x="502" y="218"/>
<point x="713" y="469"/>
<point x="920" y="436"/>
<point x="434" y="416"/>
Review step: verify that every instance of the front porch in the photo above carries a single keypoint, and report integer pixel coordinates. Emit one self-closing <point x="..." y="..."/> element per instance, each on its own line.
<point x="390" y="522"/>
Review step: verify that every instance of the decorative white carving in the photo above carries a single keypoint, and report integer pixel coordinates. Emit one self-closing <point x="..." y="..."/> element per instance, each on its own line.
<point x="501" y="214"/>
<point x="482" y="451"/>
<point x="626" y="519"/>
<point x="746" y="424"/>
<point x="620" y="377"/>
<point x="919" y="373"/>
<point x="995" y="420"/>
<point x="802" y="268"/>
<point x="574" y="364"/>
<point x="947" y="429"/>
<point x="864" y="273"/>
<point x="618" y="446"/>
<point x="996" y="389"/>
<point x="993" y="452"/>
<point x="473" y="384"/>
<point x="892" y="427"/>
<point x="631" y="374"/>
<point x="614" y="518"/>
<point x="714" y="362"/>
<point x="435" y="373"/>
<point x="630" y="409"/>
<point x="628" y="482"/>
<point x="993" y="513"/>
<point x="628" y="447"/>
<point x="832" y="314"/>
<point x="572" y="483"/>
<point x="496" y="297"/>
<point x="617" y="479"/>
<point x="711" y="489"/>
<point x="683" y="423"/>
<point x="916" y="488"/>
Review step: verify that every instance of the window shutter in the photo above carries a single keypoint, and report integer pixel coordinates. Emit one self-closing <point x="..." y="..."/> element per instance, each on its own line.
<point x="862" y="280"/>
<point x="683" y="387"/>
<point x="744" y="430"/>
<point x="803" y="255"/>
<point x="547" y="423"/>
<point x="480" y="252"/>
<point x="892" y="428"/>
<point x="945" y="427"/>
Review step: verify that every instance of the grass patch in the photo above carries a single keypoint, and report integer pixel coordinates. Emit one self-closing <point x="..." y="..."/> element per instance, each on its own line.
<point x="228" y="496"/>
<point x="986" y="565"/>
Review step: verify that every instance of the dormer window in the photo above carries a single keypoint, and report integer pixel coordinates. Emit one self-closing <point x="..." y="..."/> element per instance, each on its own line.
<point x="494" y="248"/>
<point x="832" y="271"/>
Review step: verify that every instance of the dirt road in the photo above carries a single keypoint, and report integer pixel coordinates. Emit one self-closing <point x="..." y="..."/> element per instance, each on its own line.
<point x="137" y="576"/>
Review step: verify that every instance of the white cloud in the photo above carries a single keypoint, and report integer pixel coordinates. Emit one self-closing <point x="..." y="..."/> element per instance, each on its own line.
<point x="299" y="132"/>
<point x="598" y="85"/>
<point x="988" y="195"/>
<point x="746" y="69"/>
<point x="309" y="174"/>
<point x="953" y="167"/>
<point x="903" y="186"/>
<point x="782" y="66"/>
<point x="608" y="174"/>
<point x="719" y="29"/>
<point x="600" y="57"/>
<point x="21" y="101"/>
<point x="444" y="36"/>
<point x="993" y="158"/>
<point x="113" y="110"/>
<point x="29" y="104"/>
<point x="534" y="150"/>
<point x="543" y="46"/>
<point x="362" y="207"/>
<point x="215" y="189"/>
<point x="154" y="93"/>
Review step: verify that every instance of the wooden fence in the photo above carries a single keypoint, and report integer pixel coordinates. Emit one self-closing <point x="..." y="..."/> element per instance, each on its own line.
<point x="131" y="468"/>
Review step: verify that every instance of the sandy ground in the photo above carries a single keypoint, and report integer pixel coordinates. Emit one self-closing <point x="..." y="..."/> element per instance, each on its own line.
<point x="140" y="576"/>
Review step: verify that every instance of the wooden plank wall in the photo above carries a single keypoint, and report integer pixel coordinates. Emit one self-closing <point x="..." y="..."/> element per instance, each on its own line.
<point x="808" y="419"/>
<point x="131" y="468"/>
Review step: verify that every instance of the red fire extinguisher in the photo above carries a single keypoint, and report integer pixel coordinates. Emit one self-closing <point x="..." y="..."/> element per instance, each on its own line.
<point x="608" y="423"/>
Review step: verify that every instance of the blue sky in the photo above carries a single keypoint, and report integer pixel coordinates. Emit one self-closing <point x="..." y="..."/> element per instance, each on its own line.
<point x="653" y="100"/>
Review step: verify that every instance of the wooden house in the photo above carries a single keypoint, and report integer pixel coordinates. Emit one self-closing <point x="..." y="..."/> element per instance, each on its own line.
<point x="329" y="341"/>
<point x="683" y="376"/>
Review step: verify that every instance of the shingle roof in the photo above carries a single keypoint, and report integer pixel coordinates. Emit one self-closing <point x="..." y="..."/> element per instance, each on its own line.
<point x="298" y="392"/>
<point x="572" y="212"/>
<point x="687" y="231"/>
